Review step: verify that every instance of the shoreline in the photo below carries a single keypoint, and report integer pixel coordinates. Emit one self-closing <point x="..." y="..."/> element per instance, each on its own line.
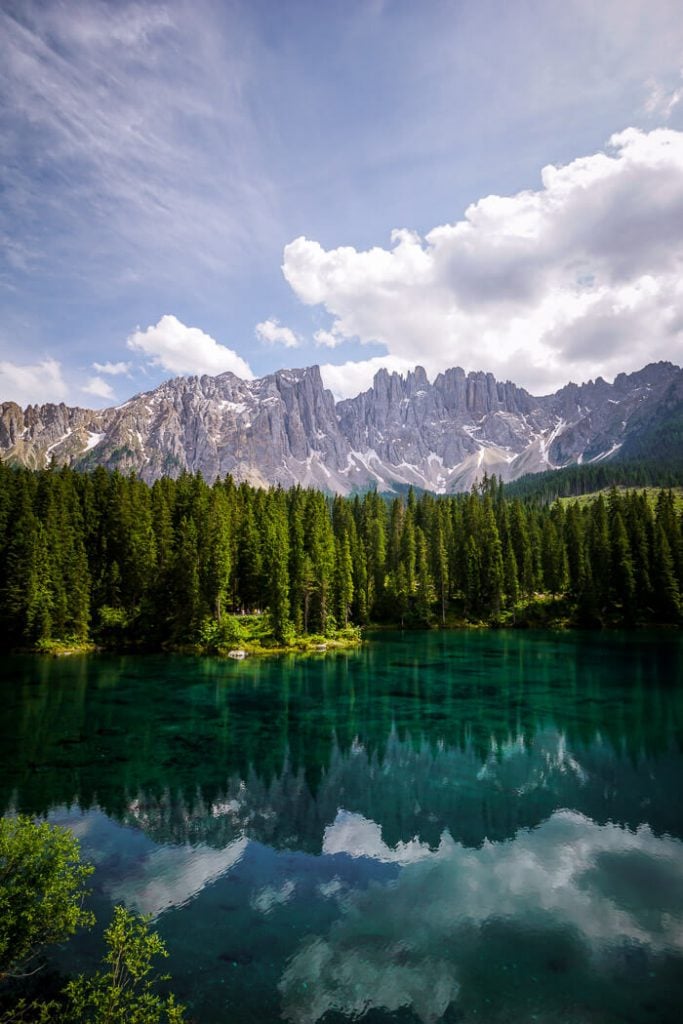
<point x="316" y="645"/>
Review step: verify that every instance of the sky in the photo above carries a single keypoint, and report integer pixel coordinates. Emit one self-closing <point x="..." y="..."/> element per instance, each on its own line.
<point x="247" y="185"/>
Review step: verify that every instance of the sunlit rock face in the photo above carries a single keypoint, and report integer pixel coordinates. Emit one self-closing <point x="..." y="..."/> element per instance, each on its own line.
<point x="286" y="429"/>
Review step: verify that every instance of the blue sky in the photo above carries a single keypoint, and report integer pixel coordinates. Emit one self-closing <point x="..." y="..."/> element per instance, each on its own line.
<point x="191" y="187"/>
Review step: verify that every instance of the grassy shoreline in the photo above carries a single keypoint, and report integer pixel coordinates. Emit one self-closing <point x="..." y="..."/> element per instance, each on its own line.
<point x="253" y="634"/>
<point x="253" y="637"/>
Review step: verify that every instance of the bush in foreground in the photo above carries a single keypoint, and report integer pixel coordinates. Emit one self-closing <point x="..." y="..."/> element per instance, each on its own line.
<point x="42" y="888"/>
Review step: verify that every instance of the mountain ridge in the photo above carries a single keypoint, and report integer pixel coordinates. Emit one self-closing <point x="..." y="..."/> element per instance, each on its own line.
<point x="286" y="428"/>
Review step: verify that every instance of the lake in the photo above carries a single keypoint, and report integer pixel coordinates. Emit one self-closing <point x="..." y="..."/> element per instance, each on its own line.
<point x="477" y="826"/>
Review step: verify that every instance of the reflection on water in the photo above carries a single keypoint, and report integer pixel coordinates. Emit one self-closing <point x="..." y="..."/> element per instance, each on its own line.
<point x="457" y="827"/>
<point x="412" y="943"/>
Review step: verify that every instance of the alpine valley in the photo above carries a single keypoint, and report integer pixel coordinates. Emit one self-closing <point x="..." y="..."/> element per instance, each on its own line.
<point x="287" y="429"/>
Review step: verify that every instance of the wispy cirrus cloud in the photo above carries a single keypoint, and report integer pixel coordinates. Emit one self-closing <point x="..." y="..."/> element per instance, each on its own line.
<point x="662" y="99"/>
<point x="129" y="119"/>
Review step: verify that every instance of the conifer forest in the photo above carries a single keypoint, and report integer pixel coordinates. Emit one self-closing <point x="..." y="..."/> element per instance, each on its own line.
<point x="106" y="558"/>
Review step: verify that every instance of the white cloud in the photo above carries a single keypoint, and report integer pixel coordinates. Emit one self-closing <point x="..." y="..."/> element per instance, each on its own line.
<point x="32" y="383"/>
<point x="113" y="369"/>
<point x="661" y="101"/>
<point x="273" y="333"/>
<point x="579" y="278"/>
<point x="186" y="350"/>
<point x="99" y="387"/>
<point x="329" y="339"/>
<point x="345" y="380"/>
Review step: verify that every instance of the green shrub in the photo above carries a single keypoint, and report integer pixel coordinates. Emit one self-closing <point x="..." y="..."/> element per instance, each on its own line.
<point x="42" y="886"/>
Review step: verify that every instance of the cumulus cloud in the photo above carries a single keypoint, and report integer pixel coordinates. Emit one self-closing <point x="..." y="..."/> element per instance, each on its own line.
<point x="328" y="339"/>
<point x="113" y="369"/>
<point x="578" y="278"/>
<point x="273" y="333"/>
<point x="30" y="383"/>
<point x="350" y="378"/>
<point x="177" y="348"/>
<point x="99" y="387"/>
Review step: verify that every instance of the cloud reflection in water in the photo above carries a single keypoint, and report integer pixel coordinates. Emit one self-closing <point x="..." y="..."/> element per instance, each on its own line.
<point x="404" y="944"/>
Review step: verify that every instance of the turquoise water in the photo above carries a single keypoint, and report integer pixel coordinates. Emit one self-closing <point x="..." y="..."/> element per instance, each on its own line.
<point x="485" y="826"/>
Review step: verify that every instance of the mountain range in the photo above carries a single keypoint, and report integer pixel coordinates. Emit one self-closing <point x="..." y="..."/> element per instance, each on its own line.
<point x="286" y="428"/>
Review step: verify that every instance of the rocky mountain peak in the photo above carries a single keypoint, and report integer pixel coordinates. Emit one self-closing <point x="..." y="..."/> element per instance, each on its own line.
<point x="286" y="428"/>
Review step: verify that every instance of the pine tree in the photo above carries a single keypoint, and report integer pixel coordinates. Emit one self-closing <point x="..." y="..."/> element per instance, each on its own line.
<point x="408" y="548"/>
<point x="667" y="592"/>
<point x="217" y="562"/>
<point x="394" y="536"/>
<point x="521" y="545"/>
<point x="440" y="564"/>
<point x="249" y="560"/>
<point x="424" y="586"/>
<point x="375" y="533"/>
<point x="491" y="560"/>
<point x="185" y="605"/>
<point x="510" y="575"/>
<point x="622" y="576"/>
<point x="553" y="557"/>
<point x="599" y="548"/>
<point x="473" y="581"/>
<point x="574" y="546"/>
<point x="320" y="546"/>
<point x="344" y="580"/>
<point x="277" y="562"/>
<point x="300" y="583"/>
<point x="401" y="595"/>
<point x="640" y="529"/>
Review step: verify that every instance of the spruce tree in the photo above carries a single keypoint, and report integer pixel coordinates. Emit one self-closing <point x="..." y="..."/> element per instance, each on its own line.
<point x="424" y="585"/>
<point x="277" y="563"/>
<point x="622" y="576"/>
<point x="666" y="589"/>
<point x="491" y="561"/>
<point x="344" y="580"/>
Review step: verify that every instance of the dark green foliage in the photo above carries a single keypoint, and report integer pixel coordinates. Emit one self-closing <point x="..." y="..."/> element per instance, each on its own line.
<point x="104" y="557"/>
<point x="662" y="438"/>
<point x="663" y="468"/>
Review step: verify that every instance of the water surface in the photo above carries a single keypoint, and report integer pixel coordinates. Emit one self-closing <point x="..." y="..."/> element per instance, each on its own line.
<point x="458" y="827"/>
